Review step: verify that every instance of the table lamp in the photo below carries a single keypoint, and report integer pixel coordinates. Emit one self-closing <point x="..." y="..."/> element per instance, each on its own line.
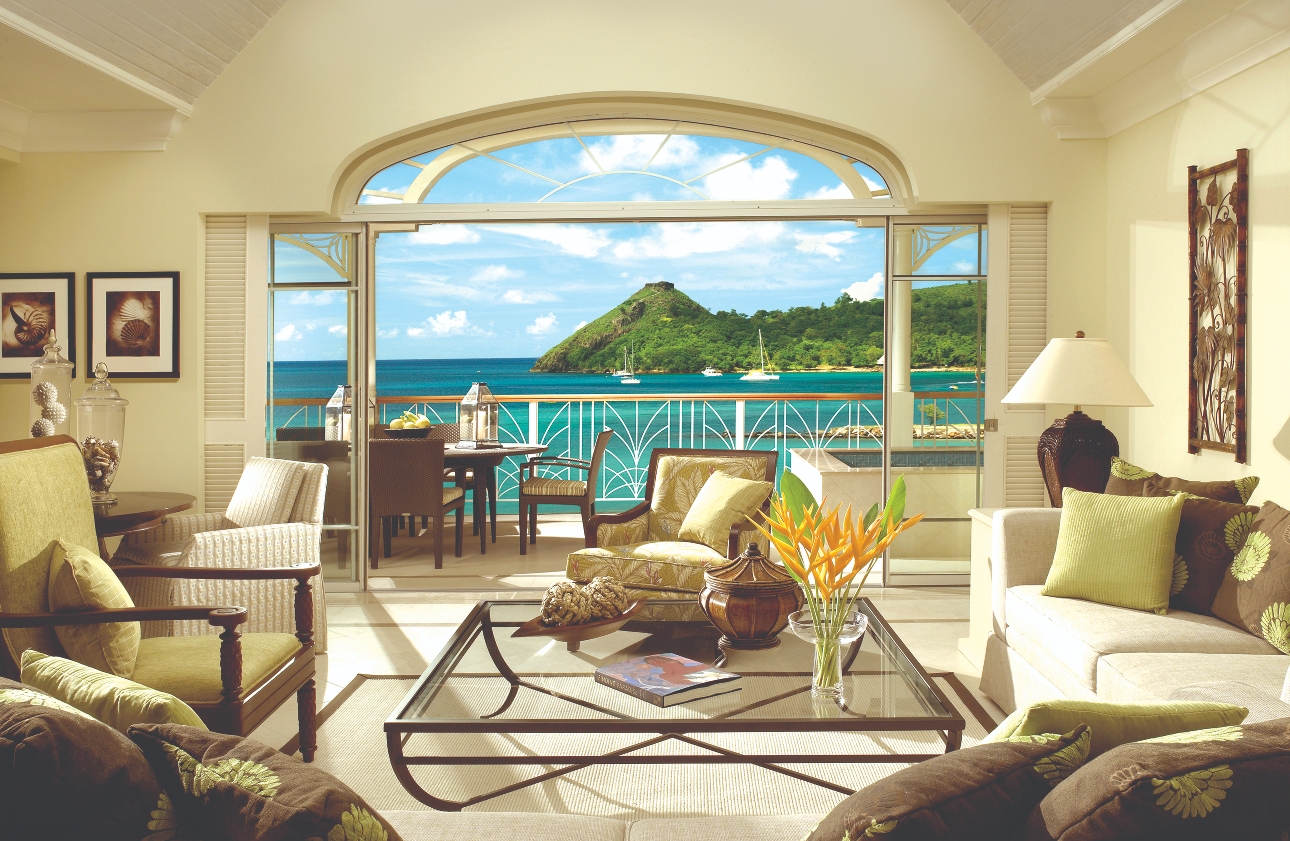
<point x="1075" y="452"/>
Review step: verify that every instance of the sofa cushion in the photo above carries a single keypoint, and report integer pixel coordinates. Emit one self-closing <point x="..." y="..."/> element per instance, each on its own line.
<point x="1221" y="784"/>
<point x="1115" y="550"/>
<point x="1255" y="593"/>
<point x="115" y="701"/>
<point x="1071" y="634"/>
<point x="80" y="580"/>
<point x="1261" y="707"/>
<point x="1130" y="480"/>
<point x="232" y="788"/>
<point x="266" y="492"/>
<point x="959" y="794"/>
<point x="1145" y="677"/>
<point x="65" y="776"/>
<point x="1210" y="533"/>
<point x="656" y="565"/>
<point x="1114" y="724"/>
<point x="722" y="502"/>
<point x="426" y="825"/>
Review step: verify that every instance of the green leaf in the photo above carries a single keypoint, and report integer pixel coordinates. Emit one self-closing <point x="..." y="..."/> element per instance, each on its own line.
<point x="896" y="502"/>
<point x="871" y="515"/>
<point x="796" y="495"/>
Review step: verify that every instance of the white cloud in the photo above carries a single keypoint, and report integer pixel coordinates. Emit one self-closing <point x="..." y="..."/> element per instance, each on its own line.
<point x="964" y="266"/>
<point x="633" y="151"/>
<point x="527" y="296"/>
<point x="433" y="287"/>
<point x="685" y="238"/>
<point x="415" y="331"/>
<point x="366" y="199"/>
<point x="865" y="290"/>
<point x="542" y="325"/>
<point x="444" y="235"/>
<point x="448" y="323"/>
<point x="492" y="274"/>
<point x="578" y="240"/>
<point x="759" y="178"/>
<point x="838" y="192"/>
<point x="317" y="299"/>
<point x="388" y="334"/>
<point x="581" y="324"/>
<point x="289" y="334"/>
<point x="826" y="244"/>
<point x="342" y="329"/>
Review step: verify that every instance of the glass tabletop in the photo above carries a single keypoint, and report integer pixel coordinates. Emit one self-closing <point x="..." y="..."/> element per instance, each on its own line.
<point x="486" y="680"/>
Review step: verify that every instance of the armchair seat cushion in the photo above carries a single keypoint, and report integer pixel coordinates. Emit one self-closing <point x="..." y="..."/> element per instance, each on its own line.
<point x="163" y="553"/>
<point x="546" y="486"/>
<point x="189" y="667"/>
<point x="452" y="494"/>
<point x="655" y="565"/>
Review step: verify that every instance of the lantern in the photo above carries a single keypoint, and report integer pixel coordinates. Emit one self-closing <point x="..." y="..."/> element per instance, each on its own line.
<point x="51" y="392"/>
<point x="100" y="422"/>
<point x="479" y="418"/>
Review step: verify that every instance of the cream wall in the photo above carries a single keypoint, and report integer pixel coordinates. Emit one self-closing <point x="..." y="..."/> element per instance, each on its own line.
<point x="326" y="78"/>
<point x="1147" y="270"/>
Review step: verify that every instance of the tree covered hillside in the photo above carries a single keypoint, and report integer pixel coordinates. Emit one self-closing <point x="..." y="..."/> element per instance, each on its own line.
<point x="672" y="333"/>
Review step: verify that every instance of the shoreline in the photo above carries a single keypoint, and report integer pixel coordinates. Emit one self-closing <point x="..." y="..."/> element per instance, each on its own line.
<point x="846" y="370"/>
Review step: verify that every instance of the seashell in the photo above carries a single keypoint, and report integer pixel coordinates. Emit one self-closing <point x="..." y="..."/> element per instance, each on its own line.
<point x="55" y="413"/>
<point x="134" y="332"/>
<point x="44" y="394"/>
<point x="30" y="324"/>
<point x="134" y="310"/>
<point x="102" y="457"/>
<point x="41" y="428"/>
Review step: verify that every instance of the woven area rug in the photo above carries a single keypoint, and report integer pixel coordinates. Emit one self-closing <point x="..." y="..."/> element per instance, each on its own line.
<point x="351" y="745"/>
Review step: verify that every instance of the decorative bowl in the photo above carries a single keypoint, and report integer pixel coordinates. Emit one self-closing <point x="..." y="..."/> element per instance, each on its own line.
<point x="414" y="432"/>
<point x="574" y="634"/>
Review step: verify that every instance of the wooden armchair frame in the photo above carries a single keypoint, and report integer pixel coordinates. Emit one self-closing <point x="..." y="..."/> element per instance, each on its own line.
<point x="732" y="547"/>
<point x="236" y="713"/>
<point x="586" y="501"/>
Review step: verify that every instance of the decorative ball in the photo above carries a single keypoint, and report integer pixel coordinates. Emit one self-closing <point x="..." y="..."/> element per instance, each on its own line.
<point x="44" y="394"/>
<point x="565" y="604"/>
<point x="41" y="428"/>
<point x="55" y="413"/>
<point x="606" y="598"/>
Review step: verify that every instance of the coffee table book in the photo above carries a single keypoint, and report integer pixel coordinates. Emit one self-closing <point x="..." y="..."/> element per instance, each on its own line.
<point x="667" y="679"/>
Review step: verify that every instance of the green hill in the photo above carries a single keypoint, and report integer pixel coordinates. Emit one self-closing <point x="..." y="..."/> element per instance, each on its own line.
<point x="673" y="333"/>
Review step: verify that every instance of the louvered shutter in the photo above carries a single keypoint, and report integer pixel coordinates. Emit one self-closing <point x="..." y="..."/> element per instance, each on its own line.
<point x="1027" y="287"/>
<point x="1023" y="483"/>
<point x="225" y="340"/>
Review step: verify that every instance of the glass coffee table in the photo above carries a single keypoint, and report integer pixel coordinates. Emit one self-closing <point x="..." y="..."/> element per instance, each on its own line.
<point x="490" y="699"/>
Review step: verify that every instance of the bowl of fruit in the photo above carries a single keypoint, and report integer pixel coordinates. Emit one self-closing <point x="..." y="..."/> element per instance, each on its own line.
<point x="409" y="425"/>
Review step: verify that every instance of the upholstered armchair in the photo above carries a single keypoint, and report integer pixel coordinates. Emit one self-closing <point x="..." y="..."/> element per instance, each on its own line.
<point x="273" y="519"/>
<point x="641" y="547"/>
<point x="233" y="681"/>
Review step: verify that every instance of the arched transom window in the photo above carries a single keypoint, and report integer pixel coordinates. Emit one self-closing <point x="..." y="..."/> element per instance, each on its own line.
<point x="624" y="160"/>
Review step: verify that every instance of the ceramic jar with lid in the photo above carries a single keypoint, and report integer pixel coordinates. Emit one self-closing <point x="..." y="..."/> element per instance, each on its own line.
<point x="100" y="422"/>
<point x="749" y="599"/>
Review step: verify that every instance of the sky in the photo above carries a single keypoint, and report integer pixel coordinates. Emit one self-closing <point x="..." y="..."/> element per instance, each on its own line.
<point x="515" y="290"/>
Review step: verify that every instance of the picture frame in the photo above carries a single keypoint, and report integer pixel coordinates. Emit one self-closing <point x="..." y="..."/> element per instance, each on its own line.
<point x="1218" y="221"/>
<point x="132" y="323"/>
<point x="31" y="303"/>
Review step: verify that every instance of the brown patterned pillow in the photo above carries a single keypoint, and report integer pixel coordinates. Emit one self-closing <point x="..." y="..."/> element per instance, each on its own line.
<point x="1210" y="534"/>
<point x="66" y="776"/>
<point x="1255" y="593"/>
<point x="236" y="789"/>
<point x="985" y="791"/>
<point x="1225" y="783"/>
<point x="1130" y="480"/>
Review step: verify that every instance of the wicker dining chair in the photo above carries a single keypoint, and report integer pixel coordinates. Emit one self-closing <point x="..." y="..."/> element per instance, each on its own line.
<point x="538" y="490"/>
<point x="406" y="477"/>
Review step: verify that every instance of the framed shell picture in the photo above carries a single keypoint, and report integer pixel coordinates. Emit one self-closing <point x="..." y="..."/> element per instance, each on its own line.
<point x="32" y="304"/>
<point x="133" y="323"/>
<point x="1218" y="215"/>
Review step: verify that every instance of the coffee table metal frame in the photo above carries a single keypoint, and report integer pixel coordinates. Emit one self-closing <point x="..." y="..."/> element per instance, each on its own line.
<point x="479" y="622"/>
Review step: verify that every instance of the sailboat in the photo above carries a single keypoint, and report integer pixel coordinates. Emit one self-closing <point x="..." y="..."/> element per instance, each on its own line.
<point x="760" y="375"/>
<point x="624" y="371"/>
<point x="630" y="378"/>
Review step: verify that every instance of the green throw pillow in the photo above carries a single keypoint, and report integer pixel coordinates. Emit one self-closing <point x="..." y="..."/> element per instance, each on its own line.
<point x="722" y="501"/>
<point x="1116" y="550"/>
<point x="1117" y="724"/>
<point x="115" y="701"/>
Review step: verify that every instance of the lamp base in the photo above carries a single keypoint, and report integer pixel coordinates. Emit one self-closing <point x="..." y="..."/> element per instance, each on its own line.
<point x="1075" y="452"/>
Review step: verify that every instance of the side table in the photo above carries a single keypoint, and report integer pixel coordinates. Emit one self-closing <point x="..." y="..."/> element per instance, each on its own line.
<point x="136" y="511"/>
<point x="980" y="616"/>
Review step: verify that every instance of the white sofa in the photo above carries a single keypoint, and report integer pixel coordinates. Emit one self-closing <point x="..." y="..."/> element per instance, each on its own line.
<point x="1044" y="647"/>
<point x="434" y="826"/>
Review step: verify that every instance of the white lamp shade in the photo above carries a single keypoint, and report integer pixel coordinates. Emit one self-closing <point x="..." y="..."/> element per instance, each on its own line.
<point x="1083" y="372"/>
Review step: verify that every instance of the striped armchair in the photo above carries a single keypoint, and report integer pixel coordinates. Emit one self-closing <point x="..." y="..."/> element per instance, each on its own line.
<point x="274" y="519"/>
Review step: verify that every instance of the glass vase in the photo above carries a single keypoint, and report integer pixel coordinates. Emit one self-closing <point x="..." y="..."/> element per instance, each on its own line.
<point x="829" y="640"/>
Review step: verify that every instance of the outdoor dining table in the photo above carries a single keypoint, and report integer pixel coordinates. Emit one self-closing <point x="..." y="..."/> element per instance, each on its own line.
<point x="484" y="463"/>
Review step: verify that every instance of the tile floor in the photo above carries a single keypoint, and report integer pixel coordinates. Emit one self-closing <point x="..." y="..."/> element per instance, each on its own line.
<point x="411" y="609"/>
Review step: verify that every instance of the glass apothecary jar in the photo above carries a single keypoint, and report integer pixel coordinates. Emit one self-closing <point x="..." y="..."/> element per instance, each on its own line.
<point x="51" y="392"/>
<point x="100" y="423"/>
